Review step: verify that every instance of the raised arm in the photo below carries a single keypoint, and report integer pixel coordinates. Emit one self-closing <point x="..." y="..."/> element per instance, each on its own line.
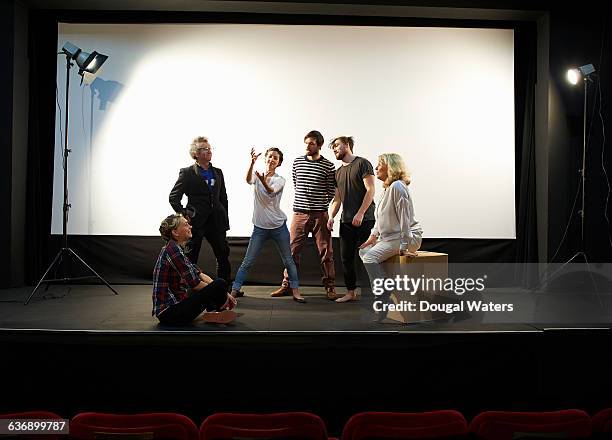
<point x="271" y="189"/>
<point x="249" y="175"/>
<point x="262" y="179"/>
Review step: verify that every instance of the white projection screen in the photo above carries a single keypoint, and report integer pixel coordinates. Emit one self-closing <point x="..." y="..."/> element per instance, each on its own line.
<point x="441" y="97"/>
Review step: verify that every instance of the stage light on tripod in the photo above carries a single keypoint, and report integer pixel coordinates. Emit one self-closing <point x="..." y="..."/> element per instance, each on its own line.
<point x="90" y="63"/>
<point x="574" y="75"/>
<point x="87" y="62"/>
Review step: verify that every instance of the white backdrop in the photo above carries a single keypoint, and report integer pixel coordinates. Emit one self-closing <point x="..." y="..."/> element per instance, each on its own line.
<point x="441" y="97"/>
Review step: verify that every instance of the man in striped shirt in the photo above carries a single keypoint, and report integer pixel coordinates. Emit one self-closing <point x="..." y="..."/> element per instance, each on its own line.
<point x="314" y="182"/>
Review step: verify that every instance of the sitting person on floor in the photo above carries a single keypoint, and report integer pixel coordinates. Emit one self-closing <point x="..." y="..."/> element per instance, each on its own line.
<point x="174" y="274"/>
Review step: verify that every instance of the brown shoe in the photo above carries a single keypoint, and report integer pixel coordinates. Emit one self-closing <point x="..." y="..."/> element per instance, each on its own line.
<point x="281" y="291"/>
<point x="223" y="317"/>
<point x="331" y="293"/>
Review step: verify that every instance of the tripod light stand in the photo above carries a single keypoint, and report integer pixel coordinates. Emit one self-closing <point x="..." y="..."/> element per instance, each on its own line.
<point x="574" y="76"/>
<point x="89" y="63"/>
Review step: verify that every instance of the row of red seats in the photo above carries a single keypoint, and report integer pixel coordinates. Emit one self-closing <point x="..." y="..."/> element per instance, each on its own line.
<point x="446" y="424"/>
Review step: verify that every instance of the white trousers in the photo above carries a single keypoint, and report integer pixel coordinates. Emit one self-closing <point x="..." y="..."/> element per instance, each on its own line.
<point x="383" y="250"/>
<point x="373" y="256"/>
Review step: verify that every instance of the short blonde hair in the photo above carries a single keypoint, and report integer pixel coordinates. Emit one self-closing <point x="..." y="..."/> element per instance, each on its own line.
<point x="193" y="148"/>
<point x="396" y="169"/>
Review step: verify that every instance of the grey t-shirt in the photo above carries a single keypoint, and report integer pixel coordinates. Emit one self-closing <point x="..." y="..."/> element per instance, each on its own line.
<point x="349" y="180"/>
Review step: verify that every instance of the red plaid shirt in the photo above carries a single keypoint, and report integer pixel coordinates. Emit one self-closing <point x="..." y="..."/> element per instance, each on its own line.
<point x="172" y="276"/>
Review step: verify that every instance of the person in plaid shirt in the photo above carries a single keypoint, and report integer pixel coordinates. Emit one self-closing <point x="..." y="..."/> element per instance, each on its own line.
<point x="174" y="274"/>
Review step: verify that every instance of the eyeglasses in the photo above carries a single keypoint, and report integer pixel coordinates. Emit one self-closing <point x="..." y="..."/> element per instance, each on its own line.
<point x="207" y="149"/>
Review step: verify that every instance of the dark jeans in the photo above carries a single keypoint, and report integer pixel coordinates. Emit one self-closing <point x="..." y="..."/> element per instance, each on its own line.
<point x="218" y="242"/>
<point x="351" y="237"/>
<point x="211" y="297"/>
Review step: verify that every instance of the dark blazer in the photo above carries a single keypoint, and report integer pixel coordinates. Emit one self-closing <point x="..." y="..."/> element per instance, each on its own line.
<point x="206" y="202"/>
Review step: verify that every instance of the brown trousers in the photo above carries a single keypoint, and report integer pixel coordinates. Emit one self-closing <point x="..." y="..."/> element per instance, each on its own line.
<point x="302" y="225"/>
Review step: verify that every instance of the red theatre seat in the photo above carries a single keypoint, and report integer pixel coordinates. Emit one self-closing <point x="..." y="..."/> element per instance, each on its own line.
<point x="445" y="424"/>
<point x="90" y="426"/>
<point x="34" y="415"/>
<point x="286" y="426"/>
<point x="505" y="425"/>
<point x="602" y="422"/>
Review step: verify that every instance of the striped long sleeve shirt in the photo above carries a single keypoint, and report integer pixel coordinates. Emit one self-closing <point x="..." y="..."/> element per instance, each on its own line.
<point x="314" y="182"/>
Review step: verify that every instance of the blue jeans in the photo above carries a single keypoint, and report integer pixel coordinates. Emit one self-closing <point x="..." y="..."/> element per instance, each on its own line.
<point x="259" y="236"/>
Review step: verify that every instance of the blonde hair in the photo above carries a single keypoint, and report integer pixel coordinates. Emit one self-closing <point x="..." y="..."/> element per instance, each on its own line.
<point x="168" y="225"/>
<point x="193" y="147"/>
<point x="396" y="169"/>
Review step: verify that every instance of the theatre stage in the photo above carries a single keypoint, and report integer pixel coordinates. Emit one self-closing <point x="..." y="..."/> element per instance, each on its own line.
<point x="95" y="308"/>
<point x="85" y="349"/>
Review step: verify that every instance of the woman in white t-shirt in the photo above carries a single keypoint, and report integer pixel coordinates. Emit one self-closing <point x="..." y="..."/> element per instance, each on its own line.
<point x="396" y="231"/>
<point x="269" y="221"/>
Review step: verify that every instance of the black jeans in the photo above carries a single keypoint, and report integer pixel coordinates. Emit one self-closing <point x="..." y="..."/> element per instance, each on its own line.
<point x="218" y="242"/>
<point x="351" y="237"/>
<point x="211" y="297"/>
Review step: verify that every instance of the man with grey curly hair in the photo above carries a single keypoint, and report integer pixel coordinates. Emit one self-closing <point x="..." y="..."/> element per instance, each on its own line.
<point x="206" y="207"/>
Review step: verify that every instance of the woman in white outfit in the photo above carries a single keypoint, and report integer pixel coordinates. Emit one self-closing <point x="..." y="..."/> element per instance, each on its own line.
<point x="396" y="231"/>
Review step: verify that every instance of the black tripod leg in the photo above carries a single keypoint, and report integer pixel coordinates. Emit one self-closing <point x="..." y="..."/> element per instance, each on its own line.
<point x="593" y="281"/>
<point x="544" y="282"/>
<point x="44" y="276"/>
<point x="91" y="270"/>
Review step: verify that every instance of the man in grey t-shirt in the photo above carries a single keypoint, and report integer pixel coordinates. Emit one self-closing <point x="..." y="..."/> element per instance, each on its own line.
<point x="355" y="192"/>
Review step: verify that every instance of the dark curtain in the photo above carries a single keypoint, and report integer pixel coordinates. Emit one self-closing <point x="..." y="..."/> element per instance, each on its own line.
<point x="7" y="13"/>
<point x="130" y="259"/>
<point x="526" y="219"/>
<point x="42" y="60"/>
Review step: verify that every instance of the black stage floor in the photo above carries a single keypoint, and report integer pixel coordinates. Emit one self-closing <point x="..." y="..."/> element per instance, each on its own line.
<point x="81" y="348"/>
<point x="96" y="308"/>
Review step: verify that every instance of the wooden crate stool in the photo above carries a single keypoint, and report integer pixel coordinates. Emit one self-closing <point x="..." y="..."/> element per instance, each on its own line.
<point x="427" y="264"/>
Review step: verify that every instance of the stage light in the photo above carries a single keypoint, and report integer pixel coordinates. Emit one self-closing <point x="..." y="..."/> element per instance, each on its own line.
<point x="87" y="62"/>
<point x="90" y="63"/>
<point x="574" y="75"/>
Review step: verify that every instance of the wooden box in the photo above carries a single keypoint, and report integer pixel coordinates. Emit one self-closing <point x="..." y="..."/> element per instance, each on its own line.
<point x="426" y="265"/>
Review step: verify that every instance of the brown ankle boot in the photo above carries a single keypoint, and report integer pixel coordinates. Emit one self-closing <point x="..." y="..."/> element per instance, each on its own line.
<point x="331" y="293"/>
<point x="281" y="291"/>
